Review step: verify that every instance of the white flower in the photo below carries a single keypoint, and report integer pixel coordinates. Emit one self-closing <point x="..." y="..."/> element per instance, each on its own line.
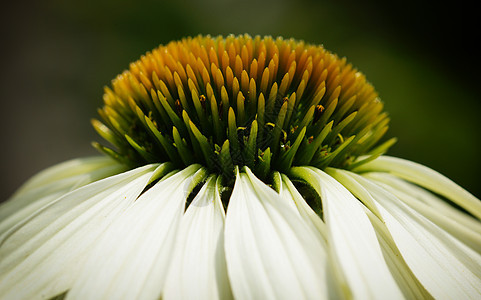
<point x="288" y="197"/>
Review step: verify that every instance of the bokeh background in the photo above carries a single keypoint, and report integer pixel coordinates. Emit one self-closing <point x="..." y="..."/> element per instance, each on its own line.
<point x="57" y="55"/>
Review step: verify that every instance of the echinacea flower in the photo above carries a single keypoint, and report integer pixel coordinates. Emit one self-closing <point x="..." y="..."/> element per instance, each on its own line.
<point x="246" y="168"/>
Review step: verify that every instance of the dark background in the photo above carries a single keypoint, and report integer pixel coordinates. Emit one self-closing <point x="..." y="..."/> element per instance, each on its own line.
<point x="57" y="56"/>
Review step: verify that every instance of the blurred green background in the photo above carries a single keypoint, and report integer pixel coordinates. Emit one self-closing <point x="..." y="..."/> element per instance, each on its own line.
<point x="58" y="55"/>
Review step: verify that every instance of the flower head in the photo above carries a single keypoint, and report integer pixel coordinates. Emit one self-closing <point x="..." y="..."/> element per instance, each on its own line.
<point x="242" y="168"/>
<point x="264" y="103"/>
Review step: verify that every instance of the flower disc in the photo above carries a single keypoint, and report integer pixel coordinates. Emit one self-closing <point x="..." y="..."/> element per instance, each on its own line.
<point x="265" y="103"/>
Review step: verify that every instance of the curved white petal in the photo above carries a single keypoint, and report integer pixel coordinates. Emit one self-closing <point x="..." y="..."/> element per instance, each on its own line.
<point x="132" y="258"/>
<point x="41" y="257"/>
<point x="198" y="269"/>
<point x="290" y="193"/>
<point x="446" y="267"/>
<point x="52" y="184"/>
<point x="408" y="283"/>
<point x="436" y="203"/>
<point x="271" y="253"/>
<point x="457" y="223"/>
<point x="67" y="169"/>
<point x="355" y="250"/>
<point x="427" y="178"/>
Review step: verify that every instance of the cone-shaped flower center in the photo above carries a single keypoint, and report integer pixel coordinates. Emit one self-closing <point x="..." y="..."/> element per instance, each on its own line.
<point x="265" y="103"/>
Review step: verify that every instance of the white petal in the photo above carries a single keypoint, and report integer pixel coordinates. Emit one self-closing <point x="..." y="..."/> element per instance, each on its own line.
<point x="132" y="258"/>
<point x="68" y="169"/>
<point x="427" y="178"/>
<point x="41" y="257"/>
<point x="458" y="224"/>
<point x="408" y="283"/>
<point x="51" y="184"/>
<point x="271" y="253"/>
<point x="198" y="269"/>
<point x="445" y="267"/>
<point x="290" y="193"/>
<point x="410" y="286"/>
<point x="354" y="247"/>
<point x="436" y="203"/>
